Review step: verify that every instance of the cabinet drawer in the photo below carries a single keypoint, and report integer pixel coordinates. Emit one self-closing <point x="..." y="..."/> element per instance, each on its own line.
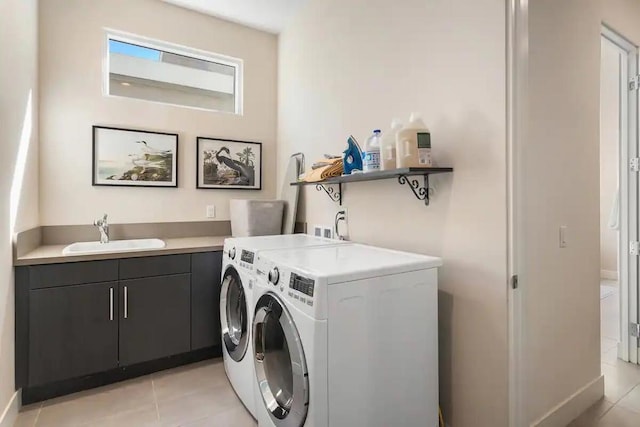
<point x="74" y="273"/>
<point x="134" y="268"/>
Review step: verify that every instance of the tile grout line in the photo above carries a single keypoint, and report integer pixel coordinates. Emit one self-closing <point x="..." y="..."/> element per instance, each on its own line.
<point x="155" y="398"/>
<point x="606" y="412"/>
<point x="35" y="422"/>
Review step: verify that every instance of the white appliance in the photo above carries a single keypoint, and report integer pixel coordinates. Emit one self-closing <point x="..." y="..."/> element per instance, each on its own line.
<point x="346" y="336"/>
<point x="236" y="303"/>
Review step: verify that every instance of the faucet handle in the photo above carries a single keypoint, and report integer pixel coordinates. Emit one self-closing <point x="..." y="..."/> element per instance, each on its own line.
<point x="101" y="222"/>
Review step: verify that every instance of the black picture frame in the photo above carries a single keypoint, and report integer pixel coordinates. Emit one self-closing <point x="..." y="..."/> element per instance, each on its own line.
<point x="242" y="166"/>
<point x="144" y="159"/>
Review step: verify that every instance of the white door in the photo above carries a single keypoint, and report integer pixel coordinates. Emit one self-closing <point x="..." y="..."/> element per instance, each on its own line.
<point x="628" y="197"/>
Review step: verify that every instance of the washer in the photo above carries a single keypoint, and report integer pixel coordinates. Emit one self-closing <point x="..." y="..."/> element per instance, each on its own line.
<point x="236" y="303"/>
<point x="346" y="336"/>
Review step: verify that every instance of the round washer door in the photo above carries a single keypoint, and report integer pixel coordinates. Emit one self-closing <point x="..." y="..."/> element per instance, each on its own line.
<point x="233" y="318"/>
<point x="281" y="368"/>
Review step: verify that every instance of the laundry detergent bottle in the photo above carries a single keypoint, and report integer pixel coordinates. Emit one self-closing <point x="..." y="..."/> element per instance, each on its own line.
<point x="371" y="153"/>
<point x="388" y="146"/>
<point x="413" y="144"/>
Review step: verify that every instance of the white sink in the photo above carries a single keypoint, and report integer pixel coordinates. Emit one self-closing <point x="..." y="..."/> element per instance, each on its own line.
<point x="88" y="248"/>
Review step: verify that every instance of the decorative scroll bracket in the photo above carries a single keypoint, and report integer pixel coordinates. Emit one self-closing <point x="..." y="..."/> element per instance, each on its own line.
<point x="334" y="195"/>
<point x="421" y="193"/>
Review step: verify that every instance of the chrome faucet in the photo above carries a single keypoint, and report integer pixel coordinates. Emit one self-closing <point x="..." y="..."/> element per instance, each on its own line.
<point x="103" y="227"/>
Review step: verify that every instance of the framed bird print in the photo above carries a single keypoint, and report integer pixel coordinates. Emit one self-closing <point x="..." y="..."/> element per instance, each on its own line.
<point x="229" y="164"/>
<point x="134" y="158"/>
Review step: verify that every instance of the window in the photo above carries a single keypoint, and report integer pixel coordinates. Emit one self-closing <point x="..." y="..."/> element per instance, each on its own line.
<point x="157" y="71"/>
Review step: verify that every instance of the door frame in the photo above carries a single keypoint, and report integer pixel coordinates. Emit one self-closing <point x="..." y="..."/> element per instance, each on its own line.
<point x="628" y="182"/>
<point x="517" y="99"/>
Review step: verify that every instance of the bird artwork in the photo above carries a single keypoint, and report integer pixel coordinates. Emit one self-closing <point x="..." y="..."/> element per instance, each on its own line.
<point x="146" y="148"/>
<point x="229" y="164"/>
<point x="245" y="172"/>
<point x="144" y="162"/>
<point x="122" y="156"/>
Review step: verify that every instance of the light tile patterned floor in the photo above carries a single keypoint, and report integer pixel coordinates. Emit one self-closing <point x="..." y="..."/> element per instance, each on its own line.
<point x="197" y="395"/>
<point x="621" y="404"/>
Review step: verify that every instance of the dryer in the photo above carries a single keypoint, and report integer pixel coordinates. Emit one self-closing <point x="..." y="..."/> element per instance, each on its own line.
<point x="345" y="336"/>
<point x="236" y="303"/>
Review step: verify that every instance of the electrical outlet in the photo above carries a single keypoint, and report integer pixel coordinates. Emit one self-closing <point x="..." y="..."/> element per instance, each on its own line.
<point x="327" y="232"/>
<point x="317" y="231"/>
<point x="341" y="221"/>
<point x="211" y="211"/>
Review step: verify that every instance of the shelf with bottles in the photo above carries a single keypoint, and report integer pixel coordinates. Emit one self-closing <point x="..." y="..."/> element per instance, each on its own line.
<point x="405" y="176"/>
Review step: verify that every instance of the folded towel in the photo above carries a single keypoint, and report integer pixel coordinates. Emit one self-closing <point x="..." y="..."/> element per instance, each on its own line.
<point x="324" y="169"/>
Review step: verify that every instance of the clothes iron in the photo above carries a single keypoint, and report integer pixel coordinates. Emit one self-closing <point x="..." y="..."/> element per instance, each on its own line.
<point x="352" y="158"/>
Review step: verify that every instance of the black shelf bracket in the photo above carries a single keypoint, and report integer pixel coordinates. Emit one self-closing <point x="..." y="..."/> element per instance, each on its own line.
<point x="334" y="195"/>
<point x="421" y="193"/>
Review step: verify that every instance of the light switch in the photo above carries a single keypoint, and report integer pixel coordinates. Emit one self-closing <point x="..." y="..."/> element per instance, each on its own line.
<point x="563" y="236"/>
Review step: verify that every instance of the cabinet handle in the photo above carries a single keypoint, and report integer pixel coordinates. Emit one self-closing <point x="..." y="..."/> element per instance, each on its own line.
<point x="126" y="303"/>
<point x="110" y="303"/>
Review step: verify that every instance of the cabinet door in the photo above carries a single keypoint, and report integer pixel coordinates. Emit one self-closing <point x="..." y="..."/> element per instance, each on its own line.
<point x="154" y="318"/>
<point x="205" y="299"/>
<point x="73" y="331"/>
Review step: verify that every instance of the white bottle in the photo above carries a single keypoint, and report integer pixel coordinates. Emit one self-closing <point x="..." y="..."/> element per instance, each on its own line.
<point x="371" y="153"/>
<point x="388" y="146"/>
<point x="413" y="144"/>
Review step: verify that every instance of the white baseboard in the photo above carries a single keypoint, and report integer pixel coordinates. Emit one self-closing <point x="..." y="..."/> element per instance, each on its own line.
<point x="10" y="414"/>
<point x="575" y="405"/>
<point x="609" y="274"/>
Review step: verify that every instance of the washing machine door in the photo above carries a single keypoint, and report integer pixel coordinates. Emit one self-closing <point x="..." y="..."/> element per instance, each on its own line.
<point x="281" y="368"/>
<point x="233" y="315"/>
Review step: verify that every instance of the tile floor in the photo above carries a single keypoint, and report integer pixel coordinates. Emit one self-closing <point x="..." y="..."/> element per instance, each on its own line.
<point x="620" y="406"/>
<point x="197" y="395"/>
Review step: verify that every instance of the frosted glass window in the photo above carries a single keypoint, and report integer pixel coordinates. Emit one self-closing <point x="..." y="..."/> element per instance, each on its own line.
<point x="161" y="72"/>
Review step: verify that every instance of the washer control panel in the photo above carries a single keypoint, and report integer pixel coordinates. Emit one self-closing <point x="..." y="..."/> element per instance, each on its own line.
<point x="246" y="259"/>
<point x="247" y="256"/>
<point x="301" y="284"/>
<point x="300" y="290"/>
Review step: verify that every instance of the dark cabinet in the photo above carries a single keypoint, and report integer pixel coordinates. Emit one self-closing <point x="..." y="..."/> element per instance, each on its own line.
<point x="205" y="299"/>
<point x="154" y="318"/>
<point x="135" y="268"/>
<point x="73" y="331"/>
<point x="77" y="319"/>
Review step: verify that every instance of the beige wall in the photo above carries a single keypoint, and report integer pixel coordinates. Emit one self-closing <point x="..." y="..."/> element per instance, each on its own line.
<point x="71" y="55"/>
<point x="18" y="78"/>
<point x="623" y="16"/>
<point x="562" y="154"/>
<point x="559" y="174"/>
<point x="349" y="67"/>
<point x="609" y="142"/>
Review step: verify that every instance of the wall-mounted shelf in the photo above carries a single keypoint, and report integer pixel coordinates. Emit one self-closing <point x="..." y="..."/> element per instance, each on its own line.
<point x="405" y="176"/>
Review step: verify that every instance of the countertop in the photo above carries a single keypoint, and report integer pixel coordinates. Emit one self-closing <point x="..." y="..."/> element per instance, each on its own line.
<point x="52" y="254"/>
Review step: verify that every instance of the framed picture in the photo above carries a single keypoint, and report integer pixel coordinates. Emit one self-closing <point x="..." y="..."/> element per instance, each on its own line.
<point x="228" y="164"/>
<point x="134" y="158"/>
